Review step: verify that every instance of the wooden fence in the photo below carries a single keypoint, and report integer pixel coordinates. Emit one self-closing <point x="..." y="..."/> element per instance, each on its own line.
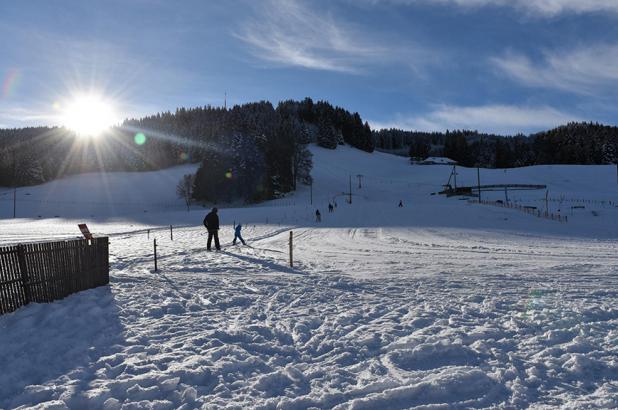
<point x="48" y="271"/>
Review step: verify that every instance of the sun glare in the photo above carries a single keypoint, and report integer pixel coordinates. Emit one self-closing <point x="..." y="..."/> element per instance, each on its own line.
<point x="88" y="114"/>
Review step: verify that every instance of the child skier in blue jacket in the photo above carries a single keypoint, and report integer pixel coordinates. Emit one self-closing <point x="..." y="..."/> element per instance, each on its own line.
<point x="237" y="235"/>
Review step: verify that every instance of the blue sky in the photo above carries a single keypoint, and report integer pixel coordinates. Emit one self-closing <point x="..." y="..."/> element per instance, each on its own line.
<point x="500" y="66"/>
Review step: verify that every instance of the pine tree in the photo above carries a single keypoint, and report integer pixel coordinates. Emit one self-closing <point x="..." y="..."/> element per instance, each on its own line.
<point x="327" y="136"/>
<point x="610" y="153"/>
<point x="502" y="155"/>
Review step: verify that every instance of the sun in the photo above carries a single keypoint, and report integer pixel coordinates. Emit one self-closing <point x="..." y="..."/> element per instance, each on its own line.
<point x="88" y="114"/>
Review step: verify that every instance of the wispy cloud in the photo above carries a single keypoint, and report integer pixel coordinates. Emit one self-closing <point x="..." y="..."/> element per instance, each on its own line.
<point x="289" y="33"/>
<point x="585" y="70"/>
<point x="499" y="119"/>
<point x="541" y="8"/>
<point x="22" y="116"/>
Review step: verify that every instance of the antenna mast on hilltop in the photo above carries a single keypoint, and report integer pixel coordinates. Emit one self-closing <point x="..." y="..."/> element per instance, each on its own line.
<point x="225" y="100"/>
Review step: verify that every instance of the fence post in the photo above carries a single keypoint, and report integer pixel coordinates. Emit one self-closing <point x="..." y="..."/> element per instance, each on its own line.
<point x="291" y="248"/>
<point x="148" y="233"/>
<point x="155" y="253"/>
<point x="171" y="233"/>
<point x="478" y="180"/>
<point x="21" y="257"/>
<point x="350" y="189"/>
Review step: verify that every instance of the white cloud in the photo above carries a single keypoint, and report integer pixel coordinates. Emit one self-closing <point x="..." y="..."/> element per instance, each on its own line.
<point x="499" y="119"/>
<point x="584" y="70"/>
<point x="545" y="8"/>
<point x="20" y="116"/>
<point x="289" y="33"/>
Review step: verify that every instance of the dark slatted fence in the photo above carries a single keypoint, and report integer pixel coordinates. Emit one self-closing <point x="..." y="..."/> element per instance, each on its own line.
<point x="48" y="271"/>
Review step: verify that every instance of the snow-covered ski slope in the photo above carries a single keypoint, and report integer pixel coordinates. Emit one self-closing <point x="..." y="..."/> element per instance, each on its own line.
<point x="98" y="195"/>
<point x="439" y="304"/>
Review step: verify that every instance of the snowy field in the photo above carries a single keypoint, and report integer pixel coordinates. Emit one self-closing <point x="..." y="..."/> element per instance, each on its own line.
<point x="439" y="304"/>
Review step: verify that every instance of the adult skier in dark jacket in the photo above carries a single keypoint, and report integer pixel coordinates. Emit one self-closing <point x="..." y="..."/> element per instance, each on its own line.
<point x="211" y="222"/>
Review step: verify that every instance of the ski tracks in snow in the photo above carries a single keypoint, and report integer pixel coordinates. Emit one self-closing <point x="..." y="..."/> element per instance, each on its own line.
<point x="368" y="318"/>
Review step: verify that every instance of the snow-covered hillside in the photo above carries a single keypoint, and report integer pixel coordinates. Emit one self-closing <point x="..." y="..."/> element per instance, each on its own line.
<point x="98" y="195"/>
<point x="588" y="195"/>
<point x="439" y="303"/>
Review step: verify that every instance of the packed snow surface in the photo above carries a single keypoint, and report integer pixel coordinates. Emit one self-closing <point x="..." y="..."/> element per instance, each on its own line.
<point x="439" y="304"/>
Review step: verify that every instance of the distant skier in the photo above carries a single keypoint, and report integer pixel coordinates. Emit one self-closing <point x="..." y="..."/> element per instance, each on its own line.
<point x="330" y="207"/>
<point x="318" y="216"/>
<point x="400" y="203"/>
<point x="237" y="235"/>
<point x="211" y="222"/>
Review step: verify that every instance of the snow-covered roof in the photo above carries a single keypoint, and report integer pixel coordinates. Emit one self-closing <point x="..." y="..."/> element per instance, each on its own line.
<point x="437" y="161"/>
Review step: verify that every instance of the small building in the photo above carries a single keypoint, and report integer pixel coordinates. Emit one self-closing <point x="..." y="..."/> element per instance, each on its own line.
<point x="435" y="161"/>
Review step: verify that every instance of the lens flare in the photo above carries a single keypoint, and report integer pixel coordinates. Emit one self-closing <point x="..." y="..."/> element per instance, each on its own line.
<point x="228" y="174"/>
<point x="10" y="82"/>
<point x="140" y="138"/>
